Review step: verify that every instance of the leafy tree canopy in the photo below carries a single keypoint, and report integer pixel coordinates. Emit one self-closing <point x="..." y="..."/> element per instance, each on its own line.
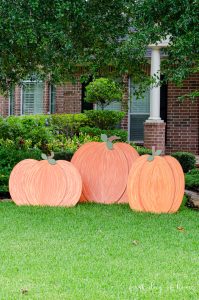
<point x="103" y="91"/>
<point x="53" y="38"/>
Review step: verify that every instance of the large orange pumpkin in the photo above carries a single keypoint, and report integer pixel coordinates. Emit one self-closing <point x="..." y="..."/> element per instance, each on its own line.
<point x="104" y="168"/>
<point x="156" y="184"/>
<point x="46" y="182"/>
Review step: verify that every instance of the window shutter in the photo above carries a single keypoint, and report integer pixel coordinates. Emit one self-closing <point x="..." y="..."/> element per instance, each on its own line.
<point x="32" y="97"/>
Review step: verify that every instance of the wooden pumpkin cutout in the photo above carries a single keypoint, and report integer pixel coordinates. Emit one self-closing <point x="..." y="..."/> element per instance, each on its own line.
<point x="45" y="182"/>
<point x="104" y="169"/>
<point x="16" y="181"/>
<point x="156" y="184"/>
<point x="131" y="155"/>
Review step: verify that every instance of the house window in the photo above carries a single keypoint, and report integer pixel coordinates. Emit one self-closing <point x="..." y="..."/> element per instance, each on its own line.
<point x="139" y="112"/>
<point x="32" y="98"/>
<point x="116" y="106"/>
<point x="52" y="93"/>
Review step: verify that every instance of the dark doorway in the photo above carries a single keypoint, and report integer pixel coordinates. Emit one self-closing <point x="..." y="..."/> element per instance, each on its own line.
<point x="86" y="105"/>
<point x="163" y="101"/>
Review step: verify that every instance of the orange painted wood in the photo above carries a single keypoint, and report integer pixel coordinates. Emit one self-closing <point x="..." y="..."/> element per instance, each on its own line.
<point x="77" y="160"/>
<point x="179" y="182"/>
<point x="42" y="183"/>
<point x="104" y="172"/>
<point x="131" y="155"/>
<point x="155" y="186"/>
<point x="16" y="181"/>
<point x="74" y="184"/>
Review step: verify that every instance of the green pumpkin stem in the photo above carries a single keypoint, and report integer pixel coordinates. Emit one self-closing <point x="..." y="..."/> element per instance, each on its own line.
<point x="154" y="153"/>
<point x="49" y="158"/>
<point x="109" y="141"/>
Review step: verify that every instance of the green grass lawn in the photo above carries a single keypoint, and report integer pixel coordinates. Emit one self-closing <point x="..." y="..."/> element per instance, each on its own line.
<point x="97" y="252"/>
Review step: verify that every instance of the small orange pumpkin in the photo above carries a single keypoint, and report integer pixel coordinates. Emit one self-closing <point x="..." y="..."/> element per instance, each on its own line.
<point x="46" y="182"/>
<point x="104" y="168"/>
<point x="156" y="184"/>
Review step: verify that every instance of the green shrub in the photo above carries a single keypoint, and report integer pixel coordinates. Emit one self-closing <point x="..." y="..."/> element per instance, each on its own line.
<point x="141" y="149"/>
<point x="103" y="91"/>
<point x="104" y="119"/>
<point x="9" y="157"/>
<point x="96" y="132"/>
<point x="67" y="124"/>
<point x="192" y="179"/>
<point x="41" y="130"/>
<point x="186" y="159"/>
<point x="64" y="155"/>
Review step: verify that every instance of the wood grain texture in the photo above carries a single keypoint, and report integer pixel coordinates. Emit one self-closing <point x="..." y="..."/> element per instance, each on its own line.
<point x="42" y="183"/>
<point x="73" y="184"/>
<point x="16" y="181"/>
<point x="179" y="178"/>
<point x="155" y="186"/>
<point x="131" y="155"/>
<point x="77" y="162"/>
<point x="104" y="172"/>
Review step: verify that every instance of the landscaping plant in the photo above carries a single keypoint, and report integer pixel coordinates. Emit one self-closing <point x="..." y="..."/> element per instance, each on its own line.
<point x="103" y="91"/>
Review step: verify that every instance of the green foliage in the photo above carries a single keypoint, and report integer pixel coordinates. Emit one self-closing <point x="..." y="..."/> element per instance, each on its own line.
<point x="95" y="34"/>
<point x="192" y="179"/>
<point x="186" y="159"/>
<point x="64" y="155"/>
<point x="41" y="131"/>
<point x="67" y="124"/>
<point x="36" y="41"/>
<point x="103" y="91"/>
<point x="141" y="149"/>
<point x="9" y="157"/>
<point x="104" y="119"/>
<point x="96" y="132"/>
<point x="156" y="20"/>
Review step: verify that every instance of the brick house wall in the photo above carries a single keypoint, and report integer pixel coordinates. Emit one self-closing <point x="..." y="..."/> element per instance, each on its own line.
<point x="182" y="129"/>
<point x="68" y="98"/>
<point x="182" y="126"/>
<point x="4" y="106"/>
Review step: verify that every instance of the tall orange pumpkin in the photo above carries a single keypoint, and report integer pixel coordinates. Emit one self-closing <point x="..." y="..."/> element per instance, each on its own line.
<point x="104" y="168"/>
<point x="46" y="182"/>
<point x="156" y="184"/>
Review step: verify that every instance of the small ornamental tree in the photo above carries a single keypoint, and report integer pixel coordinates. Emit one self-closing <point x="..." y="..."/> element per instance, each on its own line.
<point x="103" y="91"/>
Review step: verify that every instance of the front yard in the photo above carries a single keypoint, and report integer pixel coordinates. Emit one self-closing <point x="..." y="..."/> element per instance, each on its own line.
<point x="97" y="252"/>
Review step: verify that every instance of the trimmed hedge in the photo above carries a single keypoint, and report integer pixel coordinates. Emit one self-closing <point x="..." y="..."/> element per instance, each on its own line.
<point x="9" y="157"/>
<point x="192" y="179"/>
<point x="186" y="159"/>
<point x="96" y="132"/>
<point x="104" y="119"/>
<point x="141" y="149"/>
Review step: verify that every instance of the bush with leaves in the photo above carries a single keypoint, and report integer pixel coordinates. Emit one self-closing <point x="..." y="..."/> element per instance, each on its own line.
<point x="192" y="180"/>
<point x="141" y="149"/>
<point x="186" y="159"/>
<point x="103" y="91"/>
<point x="9" y="157"/>
<point x="104" y="119"/>
<point x="96" y="132"/>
